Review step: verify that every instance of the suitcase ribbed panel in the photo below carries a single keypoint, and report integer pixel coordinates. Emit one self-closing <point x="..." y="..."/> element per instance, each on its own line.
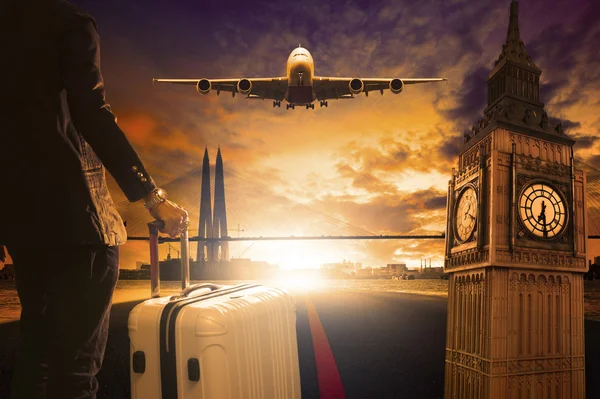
<point x="279" y="366"/>
<point x="279" y="349"/>
<point x="245" y="343"/>
<point x="257" y="354"/>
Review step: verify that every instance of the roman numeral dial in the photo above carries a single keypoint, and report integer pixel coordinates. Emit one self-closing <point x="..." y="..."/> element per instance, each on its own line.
<point x="542" y="210"/>
<point x="466" y="215"/>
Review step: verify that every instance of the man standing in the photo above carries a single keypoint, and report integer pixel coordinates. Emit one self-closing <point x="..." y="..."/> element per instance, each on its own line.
<point x="59" y="223"/>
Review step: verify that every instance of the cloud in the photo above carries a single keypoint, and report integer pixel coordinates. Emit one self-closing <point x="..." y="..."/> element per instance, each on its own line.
<point x="594" y="161"/>
<point x="386" y="213"/>
<point x="450" y="148"/>
<point x="469" y="98"/>
<point x="567" y="54"/>
<point x="584" y="141"/>
<point x="379" y="163"/>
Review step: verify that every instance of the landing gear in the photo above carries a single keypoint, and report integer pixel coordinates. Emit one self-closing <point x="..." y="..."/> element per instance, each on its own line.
<point x="311" y="106"/>
<point x="276" y="104"/>
<point x="288" y="106"/>
<point x="323" y="104"/>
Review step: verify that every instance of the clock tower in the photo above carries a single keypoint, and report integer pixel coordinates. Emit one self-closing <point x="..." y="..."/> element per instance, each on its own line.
<point x="515" y="246"/>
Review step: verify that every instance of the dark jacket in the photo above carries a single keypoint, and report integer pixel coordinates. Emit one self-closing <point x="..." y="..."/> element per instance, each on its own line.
<point x="57" y="134"/>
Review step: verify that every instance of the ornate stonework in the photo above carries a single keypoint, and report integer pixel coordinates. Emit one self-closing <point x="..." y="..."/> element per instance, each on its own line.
<point x="541" y="258"/>
<point x="515" y="298"/>
<point x="536" y="165"/>
<point x="468" y="258"/>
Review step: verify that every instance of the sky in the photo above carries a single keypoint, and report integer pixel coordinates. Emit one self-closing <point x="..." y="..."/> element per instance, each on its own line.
<point x="377" y="164"/>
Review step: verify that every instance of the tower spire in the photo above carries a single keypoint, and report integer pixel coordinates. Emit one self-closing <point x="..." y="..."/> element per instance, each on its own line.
<point x="514" y="48"/>
<point x="514" y="74"/>
<point x="513" y="91"/>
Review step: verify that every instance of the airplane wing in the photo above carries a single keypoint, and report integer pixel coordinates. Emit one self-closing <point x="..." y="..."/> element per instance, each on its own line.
<point x="335" y="88"/>
<point x="254" y="88"/>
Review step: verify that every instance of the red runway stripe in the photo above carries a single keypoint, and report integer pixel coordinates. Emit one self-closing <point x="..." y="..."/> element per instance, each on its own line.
<point x="328" y="376"/>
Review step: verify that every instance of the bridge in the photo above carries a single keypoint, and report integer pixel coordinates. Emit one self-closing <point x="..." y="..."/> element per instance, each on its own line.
<point x="286" y="219"/>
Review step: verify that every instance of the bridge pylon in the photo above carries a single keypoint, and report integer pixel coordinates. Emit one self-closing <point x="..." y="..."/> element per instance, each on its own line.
<point x="213" y="217"/>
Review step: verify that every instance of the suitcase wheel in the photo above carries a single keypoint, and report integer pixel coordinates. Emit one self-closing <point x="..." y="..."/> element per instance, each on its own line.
<point x="193" y="369"/>
<point x="139" y="362"/>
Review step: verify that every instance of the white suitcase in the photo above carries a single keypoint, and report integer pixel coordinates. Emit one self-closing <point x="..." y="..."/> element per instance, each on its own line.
<point x="213" y="341"/>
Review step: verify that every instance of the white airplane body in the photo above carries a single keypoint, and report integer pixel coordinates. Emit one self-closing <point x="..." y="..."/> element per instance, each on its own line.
<point x="300" y="86"/>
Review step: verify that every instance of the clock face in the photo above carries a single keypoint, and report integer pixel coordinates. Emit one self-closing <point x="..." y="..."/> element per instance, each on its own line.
<point x="466" y="214"/>
<point x="542" y="210"/>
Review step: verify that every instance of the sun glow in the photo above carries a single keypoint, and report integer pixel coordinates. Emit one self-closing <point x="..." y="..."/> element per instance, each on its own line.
<point x="300" y="282"/>
<point x="290" y="255"/>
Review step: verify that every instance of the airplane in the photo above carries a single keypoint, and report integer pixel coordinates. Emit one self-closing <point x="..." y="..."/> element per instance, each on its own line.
<point x="300" y="86"/>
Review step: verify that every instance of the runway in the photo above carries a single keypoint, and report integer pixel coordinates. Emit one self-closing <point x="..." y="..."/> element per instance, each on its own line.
<point x="385" y="345"/>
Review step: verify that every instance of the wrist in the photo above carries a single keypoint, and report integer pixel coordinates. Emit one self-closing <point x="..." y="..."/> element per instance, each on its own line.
<point x="148" y="196"/>
<point x="155" y="198"/>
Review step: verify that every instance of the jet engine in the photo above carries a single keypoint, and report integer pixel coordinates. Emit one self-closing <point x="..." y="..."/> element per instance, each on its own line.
<point x="203" y="86"/>
<point x="356" y="86"/>
<point x="244" y="86"/>
<point x="396" y="86"/>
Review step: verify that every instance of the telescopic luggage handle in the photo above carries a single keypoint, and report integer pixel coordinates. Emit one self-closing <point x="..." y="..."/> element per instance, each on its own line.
<point x="153" y="229"/>
<point x="186" y="289"/>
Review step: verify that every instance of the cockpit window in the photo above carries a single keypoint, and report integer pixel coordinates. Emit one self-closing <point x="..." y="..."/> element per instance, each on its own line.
<point x="297" y="54"/>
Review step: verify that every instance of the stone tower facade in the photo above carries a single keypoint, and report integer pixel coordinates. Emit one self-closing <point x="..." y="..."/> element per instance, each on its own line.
<point x="515" y="246"/>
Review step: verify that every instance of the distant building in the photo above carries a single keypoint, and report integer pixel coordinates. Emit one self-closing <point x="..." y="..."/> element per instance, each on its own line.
<point x="594" y="269"/>
<point x="364" y="272"/>
<point x="134" y="274"/>
<point x="341" y="269"/>
<point x="396" y="267"/>
<point x="436" y="269"/>
<point x="342" y="265"/>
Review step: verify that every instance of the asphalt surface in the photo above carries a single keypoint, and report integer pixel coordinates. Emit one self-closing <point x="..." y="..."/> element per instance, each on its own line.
<point x="386" y="345"/>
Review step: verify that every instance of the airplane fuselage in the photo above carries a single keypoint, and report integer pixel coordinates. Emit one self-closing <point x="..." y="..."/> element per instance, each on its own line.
<point x="300" y="72"/>
<point x="300" y="86"/>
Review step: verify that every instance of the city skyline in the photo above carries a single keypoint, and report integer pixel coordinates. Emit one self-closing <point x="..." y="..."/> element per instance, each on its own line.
<point x="379" y="163"/>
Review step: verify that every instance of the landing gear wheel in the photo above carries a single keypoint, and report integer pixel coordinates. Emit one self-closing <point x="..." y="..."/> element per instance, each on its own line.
<point x="323" y="103"/>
